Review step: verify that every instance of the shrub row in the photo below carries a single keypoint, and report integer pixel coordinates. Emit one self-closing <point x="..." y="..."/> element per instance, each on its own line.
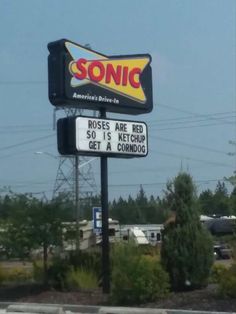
<point x="137" y="275"/>
<point x="64" y="274"/>
<point x="136" y="278"/>
<point x="225" y="277"/>
<point x="16" y="274"/>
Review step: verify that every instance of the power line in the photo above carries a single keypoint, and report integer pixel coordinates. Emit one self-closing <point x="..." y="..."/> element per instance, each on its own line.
<point x="23" y="152"/>
<point x="157" y="152"/>
<point x="194" y="159"/>
<point x="24" y="125"/>
<point x="190" y="117"/>
<point x="194" y="126"/>
<point x="190" y="112"/>
<point x="161" y="183"/>
<point x="8" y="132"/>
<point x="26" y="142"/>
<point x="192" y="120"/>
<point x="122" y="185"/>
<point x="188" y="145"/>
<point x="4" y="83"/>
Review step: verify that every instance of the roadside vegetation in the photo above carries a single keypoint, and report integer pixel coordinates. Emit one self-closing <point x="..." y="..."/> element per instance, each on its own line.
<point x="137" y="276"/>
<point x="31" y="234"/>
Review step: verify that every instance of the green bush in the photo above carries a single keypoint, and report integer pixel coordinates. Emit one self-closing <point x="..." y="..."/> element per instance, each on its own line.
<point x="70" y="272"/>
<point x="2" y="275"/>
<point x="187" y="255"/>
<point x="227" y="282"/>
<point x="57" y="272"/>
<point x="86" y="260"/>
<point x="187" y="247"/>
<point x="15" y="274"/>
<point x="18" y="274"/>
<point x="217" y="271"/>
<point x="38" y="271"/>
<point x="81" y="279"/>
<point x="136" y="278"/>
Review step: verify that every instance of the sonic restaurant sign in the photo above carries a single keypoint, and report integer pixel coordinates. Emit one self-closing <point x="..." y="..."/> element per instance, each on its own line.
<point x="81" y="77"/>
<point x="93" y="136"/>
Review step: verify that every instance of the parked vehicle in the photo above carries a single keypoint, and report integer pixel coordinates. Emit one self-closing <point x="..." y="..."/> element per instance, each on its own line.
<point x="222" y="251"/>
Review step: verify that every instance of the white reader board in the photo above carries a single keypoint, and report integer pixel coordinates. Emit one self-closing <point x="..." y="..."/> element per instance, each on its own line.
<point x="111" y="137"/>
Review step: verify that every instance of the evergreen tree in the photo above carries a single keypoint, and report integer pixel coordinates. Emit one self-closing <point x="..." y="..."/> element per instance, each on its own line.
<point x="206" y="202"/>
<point x="141" y="198"/>
<point x="233" y="201"/>
<point x="139" y="210"/>
<point x="232" y="181"/>
<point x="118" y="210"/>
<point x="221" y="189"/>
<point x="86" y="206"/>
<point x="221" y="200"/>
<point x="187" y="250"/>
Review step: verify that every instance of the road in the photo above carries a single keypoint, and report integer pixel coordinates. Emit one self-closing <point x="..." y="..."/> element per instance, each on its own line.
<point x="27" y="308"/>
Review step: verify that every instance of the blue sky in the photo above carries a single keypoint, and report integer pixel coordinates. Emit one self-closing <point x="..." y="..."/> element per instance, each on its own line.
<point x="193" y="49"/>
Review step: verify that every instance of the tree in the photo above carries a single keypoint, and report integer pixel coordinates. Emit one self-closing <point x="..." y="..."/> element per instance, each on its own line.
<point x="139" y="210"/>
<point x="141" y="198"/>
<point x="45" y="228"/>
<point x="14" y="230"/>
<point x="232" y="200"/>
<point x="187" y="250"/>
<point x="232" y="179"/>
<point x="206" y="200"/>
<point x="86" y="205"/>
<point x="221" y="200"/>
<point x="33" y="224"/>
<point x="118" y="210"/>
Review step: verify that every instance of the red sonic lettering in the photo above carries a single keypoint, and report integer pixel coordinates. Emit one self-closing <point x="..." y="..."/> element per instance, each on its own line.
<point x="97" y="71"/>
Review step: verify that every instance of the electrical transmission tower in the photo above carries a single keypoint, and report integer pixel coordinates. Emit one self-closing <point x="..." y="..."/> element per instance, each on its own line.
<point x="65" y="182"/>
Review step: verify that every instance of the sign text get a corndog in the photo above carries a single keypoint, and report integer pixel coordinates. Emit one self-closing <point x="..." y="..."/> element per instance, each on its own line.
<point x="80" y="77"/>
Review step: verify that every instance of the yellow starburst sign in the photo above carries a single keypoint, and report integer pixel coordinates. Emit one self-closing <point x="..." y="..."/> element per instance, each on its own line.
<point x="122" y="81"/>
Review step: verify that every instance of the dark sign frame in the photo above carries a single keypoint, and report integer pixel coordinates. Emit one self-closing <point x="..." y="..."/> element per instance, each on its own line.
<point x="93" y="96"/>
<point x="66" y="139"/>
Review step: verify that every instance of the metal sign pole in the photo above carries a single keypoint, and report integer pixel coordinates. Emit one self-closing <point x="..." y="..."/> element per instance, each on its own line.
<point x="77" y="202"/>
<point x="105" y="224"/>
